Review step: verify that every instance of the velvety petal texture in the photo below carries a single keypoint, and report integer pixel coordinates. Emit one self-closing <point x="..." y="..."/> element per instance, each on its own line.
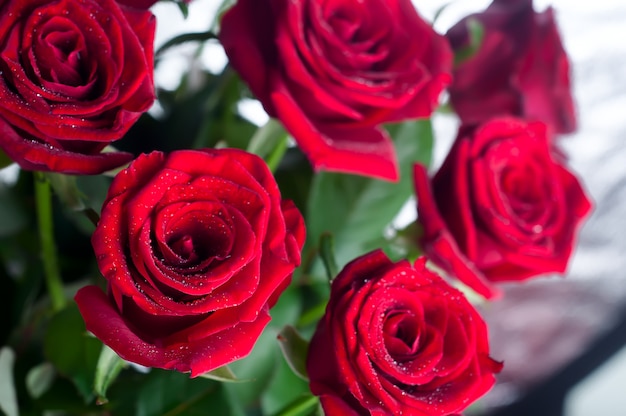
<point x="521" y="68"/>
<point x="502" y="207"/>
<point x="76" y="75"/>
<point x="196" y="246"/>
<point x="333" y="71"/>
<point x="396" y="339"/>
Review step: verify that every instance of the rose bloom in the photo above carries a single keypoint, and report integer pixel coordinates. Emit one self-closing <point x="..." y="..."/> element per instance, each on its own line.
<point x="502" y="207"/>
<point x="520" y="69"/>
<point x="333" y="71"/>
<point x="76" y="75"/>
<point x="398" y="340"/>
<point x="196" y="246"/>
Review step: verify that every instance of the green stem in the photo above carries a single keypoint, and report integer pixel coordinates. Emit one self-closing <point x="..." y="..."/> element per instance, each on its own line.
<point x="186" y="37"/>
<point x="43" y="197"/>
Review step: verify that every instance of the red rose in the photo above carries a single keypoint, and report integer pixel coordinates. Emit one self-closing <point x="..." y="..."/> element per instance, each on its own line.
<point x="196" y="246"/>
<point x="332" y="72"/>
<point x="502" y="207"/>
<point x="520" y="69"/>
<point x="75" y="76"/>
<point x="398" y="340"/>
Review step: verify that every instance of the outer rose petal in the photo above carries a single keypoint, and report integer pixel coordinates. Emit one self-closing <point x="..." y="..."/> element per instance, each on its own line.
<point x="441" y="245"/>
<point x="33" y="155"/>
<point x="106" y="323"/>
<point x="196" y="246"/>
<point x="501" y="207"/>
<point x="377" y="309"/>
<point x="333" y="94"/>
<point x="368" y="151"/>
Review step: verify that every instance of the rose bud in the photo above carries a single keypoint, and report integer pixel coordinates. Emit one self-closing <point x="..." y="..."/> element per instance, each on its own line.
<point x="397" y="339"/>
<point x="196" y="246"/>
<point x="502" y="207"/>
<point x="333" y="72"/>
<point x="520" y="69"/>
<point x="75" y="77"/>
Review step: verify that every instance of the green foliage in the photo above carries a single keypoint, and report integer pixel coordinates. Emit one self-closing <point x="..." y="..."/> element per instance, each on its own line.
<point x="108" y="368"/>
<point x="327" y="253"/>
<point x="355" y="209"/>
<point x="13" y="217"/>
<point x="167" y="393"/>
<point x="72" y="351"/>
<point x="295" y="349"/>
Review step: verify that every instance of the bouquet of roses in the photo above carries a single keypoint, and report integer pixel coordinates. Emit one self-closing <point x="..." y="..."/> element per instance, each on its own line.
<point x="186" y="261"/>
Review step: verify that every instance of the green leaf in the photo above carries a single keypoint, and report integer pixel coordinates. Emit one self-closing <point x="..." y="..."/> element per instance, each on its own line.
<point x="294" y="176"/>
<point x="312" y="315"/>
<point x="476" y="34"/>
<point x="358" y="209"/>
<point x="8" y="397"/>
<point x="223" y="374"/>
<point x="327" y="253"/>
<point x="295" y="349"/>
<point x="168" y="393"/>
<point x="4" y="160"/>
<point x="223" y="8"/>
<point x="303" y="405"/>
<point x="439" y="11"/>
<point x="72" y="351"/>
<point x="65" y="188"/>
<point x="236" y="131"/>
<point x="84" y="194"/>
<point x="39" y="379"/>
<point x="12" y="214"/>
<point x="284" y="389"/>
<point x="403" y="244"/>
<point x="264" y="360"/>
<point x="269" y="142"/>
<point x="108" y="368"/>
<point x="184" y="8"/>
<point x="93" y="189"/>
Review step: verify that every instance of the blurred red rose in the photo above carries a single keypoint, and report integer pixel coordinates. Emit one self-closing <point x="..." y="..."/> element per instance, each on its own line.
<point x="398" y="340"/>
<point x="332" y="72"/>
<point x="502" y="207"/>
<point x="75" y="76"/>
<point x="520" y="69"/>
<point x="196" y="246"/>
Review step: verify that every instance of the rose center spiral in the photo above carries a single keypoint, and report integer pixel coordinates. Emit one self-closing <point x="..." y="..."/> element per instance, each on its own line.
<point x="402" y="334"/>
<point x="60" y="52"/>
<point x="200" y="246"/>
